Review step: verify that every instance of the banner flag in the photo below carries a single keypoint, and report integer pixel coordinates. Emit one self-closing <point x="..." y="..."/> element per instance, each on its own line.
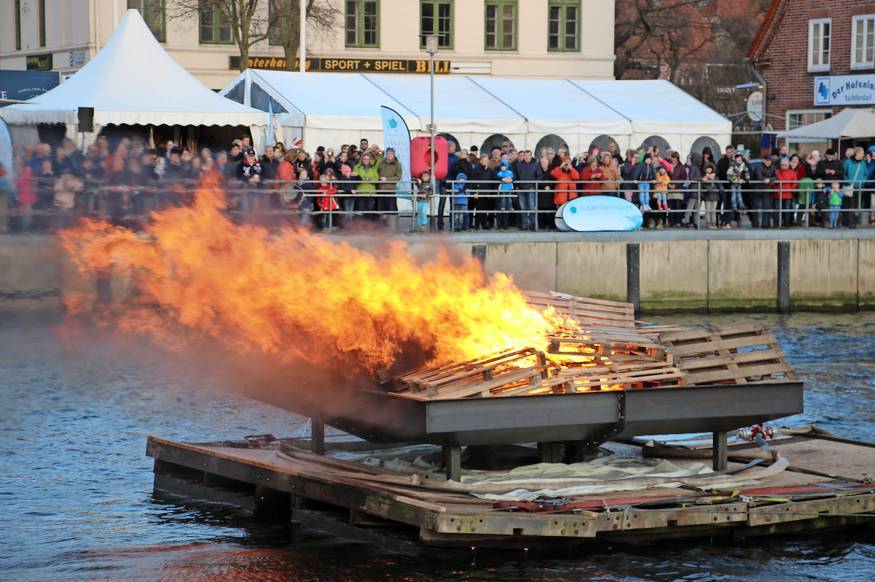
<point x="396" y="135"/>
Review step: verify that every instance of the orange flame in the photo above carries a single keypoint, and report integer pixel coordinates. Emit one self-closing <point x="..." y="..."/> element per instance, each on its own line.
<point x="297" y="295"/>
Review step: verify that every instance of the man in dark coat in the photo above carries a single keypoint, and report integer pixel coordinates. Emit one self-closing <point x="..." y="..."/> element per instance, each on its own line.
<point x="446" y="188"/>
<point x="722" y="168"/>
<point x="526" y="172"/>
<point x="762" y="180"/>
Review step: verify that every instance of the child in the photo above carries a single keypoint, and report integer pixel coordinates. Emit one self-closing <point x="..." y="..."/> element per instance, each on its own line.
<point x="835" y="204"/>
<point x="737" y="174"/>
<point x="423" y="199"/>
<point x="661" y="186"/>
<point x="505" y="204"/>
<point x="460" y="202"/>
<point x="644" y="176"/>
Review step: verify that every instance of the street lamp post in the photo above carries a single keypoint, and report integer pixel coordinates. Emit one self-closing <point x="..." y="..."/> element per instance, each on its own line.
<point x="431" y="45"/>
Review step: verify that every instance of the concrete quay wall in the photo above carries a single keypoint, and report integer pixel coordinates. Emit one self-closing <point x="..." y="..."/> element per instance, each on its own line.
<point x="685" y="271"/>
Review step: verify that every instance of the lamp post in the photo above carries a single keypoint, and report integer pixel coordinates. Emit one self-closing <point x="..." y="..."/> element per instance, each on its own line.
<point x="431" y="45"/>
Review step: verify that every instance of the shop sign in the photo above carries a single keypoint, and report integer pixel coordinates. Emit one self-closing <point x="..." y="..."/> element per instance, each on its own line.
<point x="41" y="62"/>
<point x="346" y="65"/>
<point x="844" y="90"/>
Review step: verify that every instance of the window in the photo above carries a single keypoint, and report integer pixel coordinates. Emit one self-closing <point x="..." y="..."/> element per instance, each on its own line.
<point x="362" y="23"/>
<point x="819" y="36"/>
<point x="501" y="25"/>
<point x="42" y="22"/>
<point x="215" y="28"/>
<point x="436" y="18"/>
<point x="153" y="14"/>
<point x="563" y="22"/>
<point x="17" y="16"/>
<point x="863" y="41"/>
<point x="799" y="117"/>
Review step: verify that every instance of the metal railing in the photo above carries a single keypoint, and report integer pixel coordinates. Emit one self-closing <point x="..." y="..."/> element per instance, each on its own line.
<point x="480" y="205"/>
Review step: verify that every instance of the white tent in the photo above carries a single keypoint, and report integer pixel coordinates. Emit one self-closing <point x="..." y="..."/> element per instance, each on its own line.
<point x="334" y="108"/>
<point x="571" y="112"/>
<point x="659" y="108"/>
<point x="133" y="81"/>
<point x="847" y="124"/>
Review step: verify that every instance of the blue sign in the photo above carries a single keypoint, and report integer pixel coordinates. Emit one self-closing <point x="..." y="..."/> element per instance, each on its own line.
<point x="844" y="90"/>
<point x="24" y="85"/>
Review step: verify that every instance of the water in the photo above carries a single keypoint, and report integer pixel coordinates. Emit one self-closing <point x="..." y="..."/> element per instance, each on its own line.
<point x="76" y="497"/>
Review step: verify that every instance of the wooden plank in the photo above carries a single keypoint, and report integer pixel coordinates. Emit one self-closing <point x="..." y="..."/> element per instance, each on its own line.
<point x="705" y="332"/>
<point x="739" y="358"/>
<point x="723" y="344"/>
<point x="738" y="372"/>
<point x="469" y="390"/>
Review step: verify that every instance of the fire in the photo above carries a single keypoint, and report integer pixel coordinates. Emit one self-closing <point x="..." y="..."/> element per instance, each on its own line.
<point x="295" y="295"/>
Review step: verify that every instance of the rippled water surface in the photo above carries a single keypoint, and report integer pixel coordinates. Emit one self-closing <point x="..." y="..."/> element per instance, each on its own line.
<point x="76" y="496"/>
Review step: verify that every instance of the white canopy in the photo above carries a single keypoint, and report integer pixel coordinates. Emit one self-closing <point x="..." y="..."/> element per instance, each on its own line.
<point x="335" y="108"/>
<point x="133" y="81"/>
<point x="570" y="110"/>
<point x="848" y="123"/>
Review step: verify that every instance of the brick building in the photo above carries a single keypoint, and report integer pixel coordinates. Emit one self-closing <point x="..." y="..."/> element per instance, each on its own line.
<point x="817" y="57"/>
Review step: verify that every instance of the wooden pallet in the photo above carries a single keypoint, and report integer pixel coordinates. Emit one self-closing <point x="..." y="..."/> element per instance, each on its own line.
<point x="584" y="310"/>
<point x="737" y="354"/>
<point x="622" y="375"/>
<point x="476" y="377"/>
<point x="607" y="341"/>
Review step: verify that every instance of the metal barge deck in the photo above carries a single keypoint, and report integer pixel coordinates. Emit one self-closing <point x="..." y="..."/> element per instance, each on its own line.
<point x="828" y="484"/>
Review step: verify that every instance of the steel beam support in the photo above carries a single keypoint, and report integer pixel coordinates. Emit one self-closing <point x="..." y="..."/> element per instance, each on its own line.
<point x="550" y="452"/>
<point x="783" y="276"/>
<point x="720" y="450"/>
<point x="633" y="276"/>
<point x="479" y="253"/>
<point x="453" y="462"/>
<point x="317" y="435"/>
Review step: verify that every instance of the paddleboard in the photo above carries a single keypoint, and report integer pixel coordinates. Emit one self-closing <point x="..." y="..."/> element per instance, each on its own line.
<point x="601" y="213"/>
<point x="560" y="224"/>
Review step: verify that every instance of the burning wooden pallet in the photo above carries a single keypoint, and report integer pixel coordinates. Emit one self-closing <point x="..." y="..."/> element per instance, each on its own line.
<point x="606" y="341"/>
<point x="530" y="372"/>
<point x="736" y="354"/>
<point x="476" y="377"/>
<point x="585" y="311"/>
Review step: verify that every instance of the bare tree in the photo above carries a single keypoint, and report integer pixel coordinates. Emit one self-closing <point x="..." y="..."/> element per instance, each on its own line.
<point x="653" y="27"/>
<point x="247" y="19"/>
<point x="322" y="16"/>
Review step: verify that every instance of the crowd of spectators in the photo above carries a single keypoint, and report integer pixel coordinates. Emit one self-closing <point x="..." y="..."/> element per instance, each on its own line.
<point x="360" y="185"/>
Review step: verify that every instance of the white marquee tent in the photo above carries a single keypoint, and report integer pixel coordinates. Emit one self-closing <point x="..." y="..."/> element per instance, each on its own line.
<point x="133" y="81"/>
<point x="334" y="108"/>
<point x="847" y="124"/>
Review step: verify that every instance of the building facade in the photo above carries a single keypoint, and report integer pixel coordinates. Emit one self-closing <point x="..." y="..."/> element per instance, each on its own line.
<point x="525" y="38"/>
<point x="817" y="58"/>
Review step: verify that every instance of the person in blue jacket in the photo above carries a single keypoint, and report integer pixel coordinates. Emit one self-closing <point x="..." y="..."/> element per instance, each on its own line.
<point x="856" y="175"/>
<point x="505" y="187"/>
<point x="461" y="218"/>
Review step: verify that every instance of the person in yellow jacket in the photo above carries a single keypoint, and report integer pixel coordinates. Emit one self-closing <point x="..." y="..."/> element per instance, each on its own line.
<point x="366" y="170"/>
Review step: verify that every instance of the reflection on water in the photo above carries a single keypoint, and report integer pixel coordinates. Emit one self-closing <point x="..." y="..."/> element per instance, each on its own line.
<point x="76" y="487"/>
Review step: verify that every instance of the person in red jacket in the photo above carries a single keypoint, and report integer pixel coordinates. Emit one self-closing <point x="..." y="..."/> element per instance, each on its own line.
<point x="326" y="200"/>
<point x="592" y="176"/>
<point x="786" y="181"/>
<point x="566" y="188"/>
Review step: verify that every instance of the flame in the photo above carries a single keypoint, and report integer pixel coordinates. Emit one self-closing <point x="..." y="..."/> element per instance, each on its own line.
<point x="297" y="295"/>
